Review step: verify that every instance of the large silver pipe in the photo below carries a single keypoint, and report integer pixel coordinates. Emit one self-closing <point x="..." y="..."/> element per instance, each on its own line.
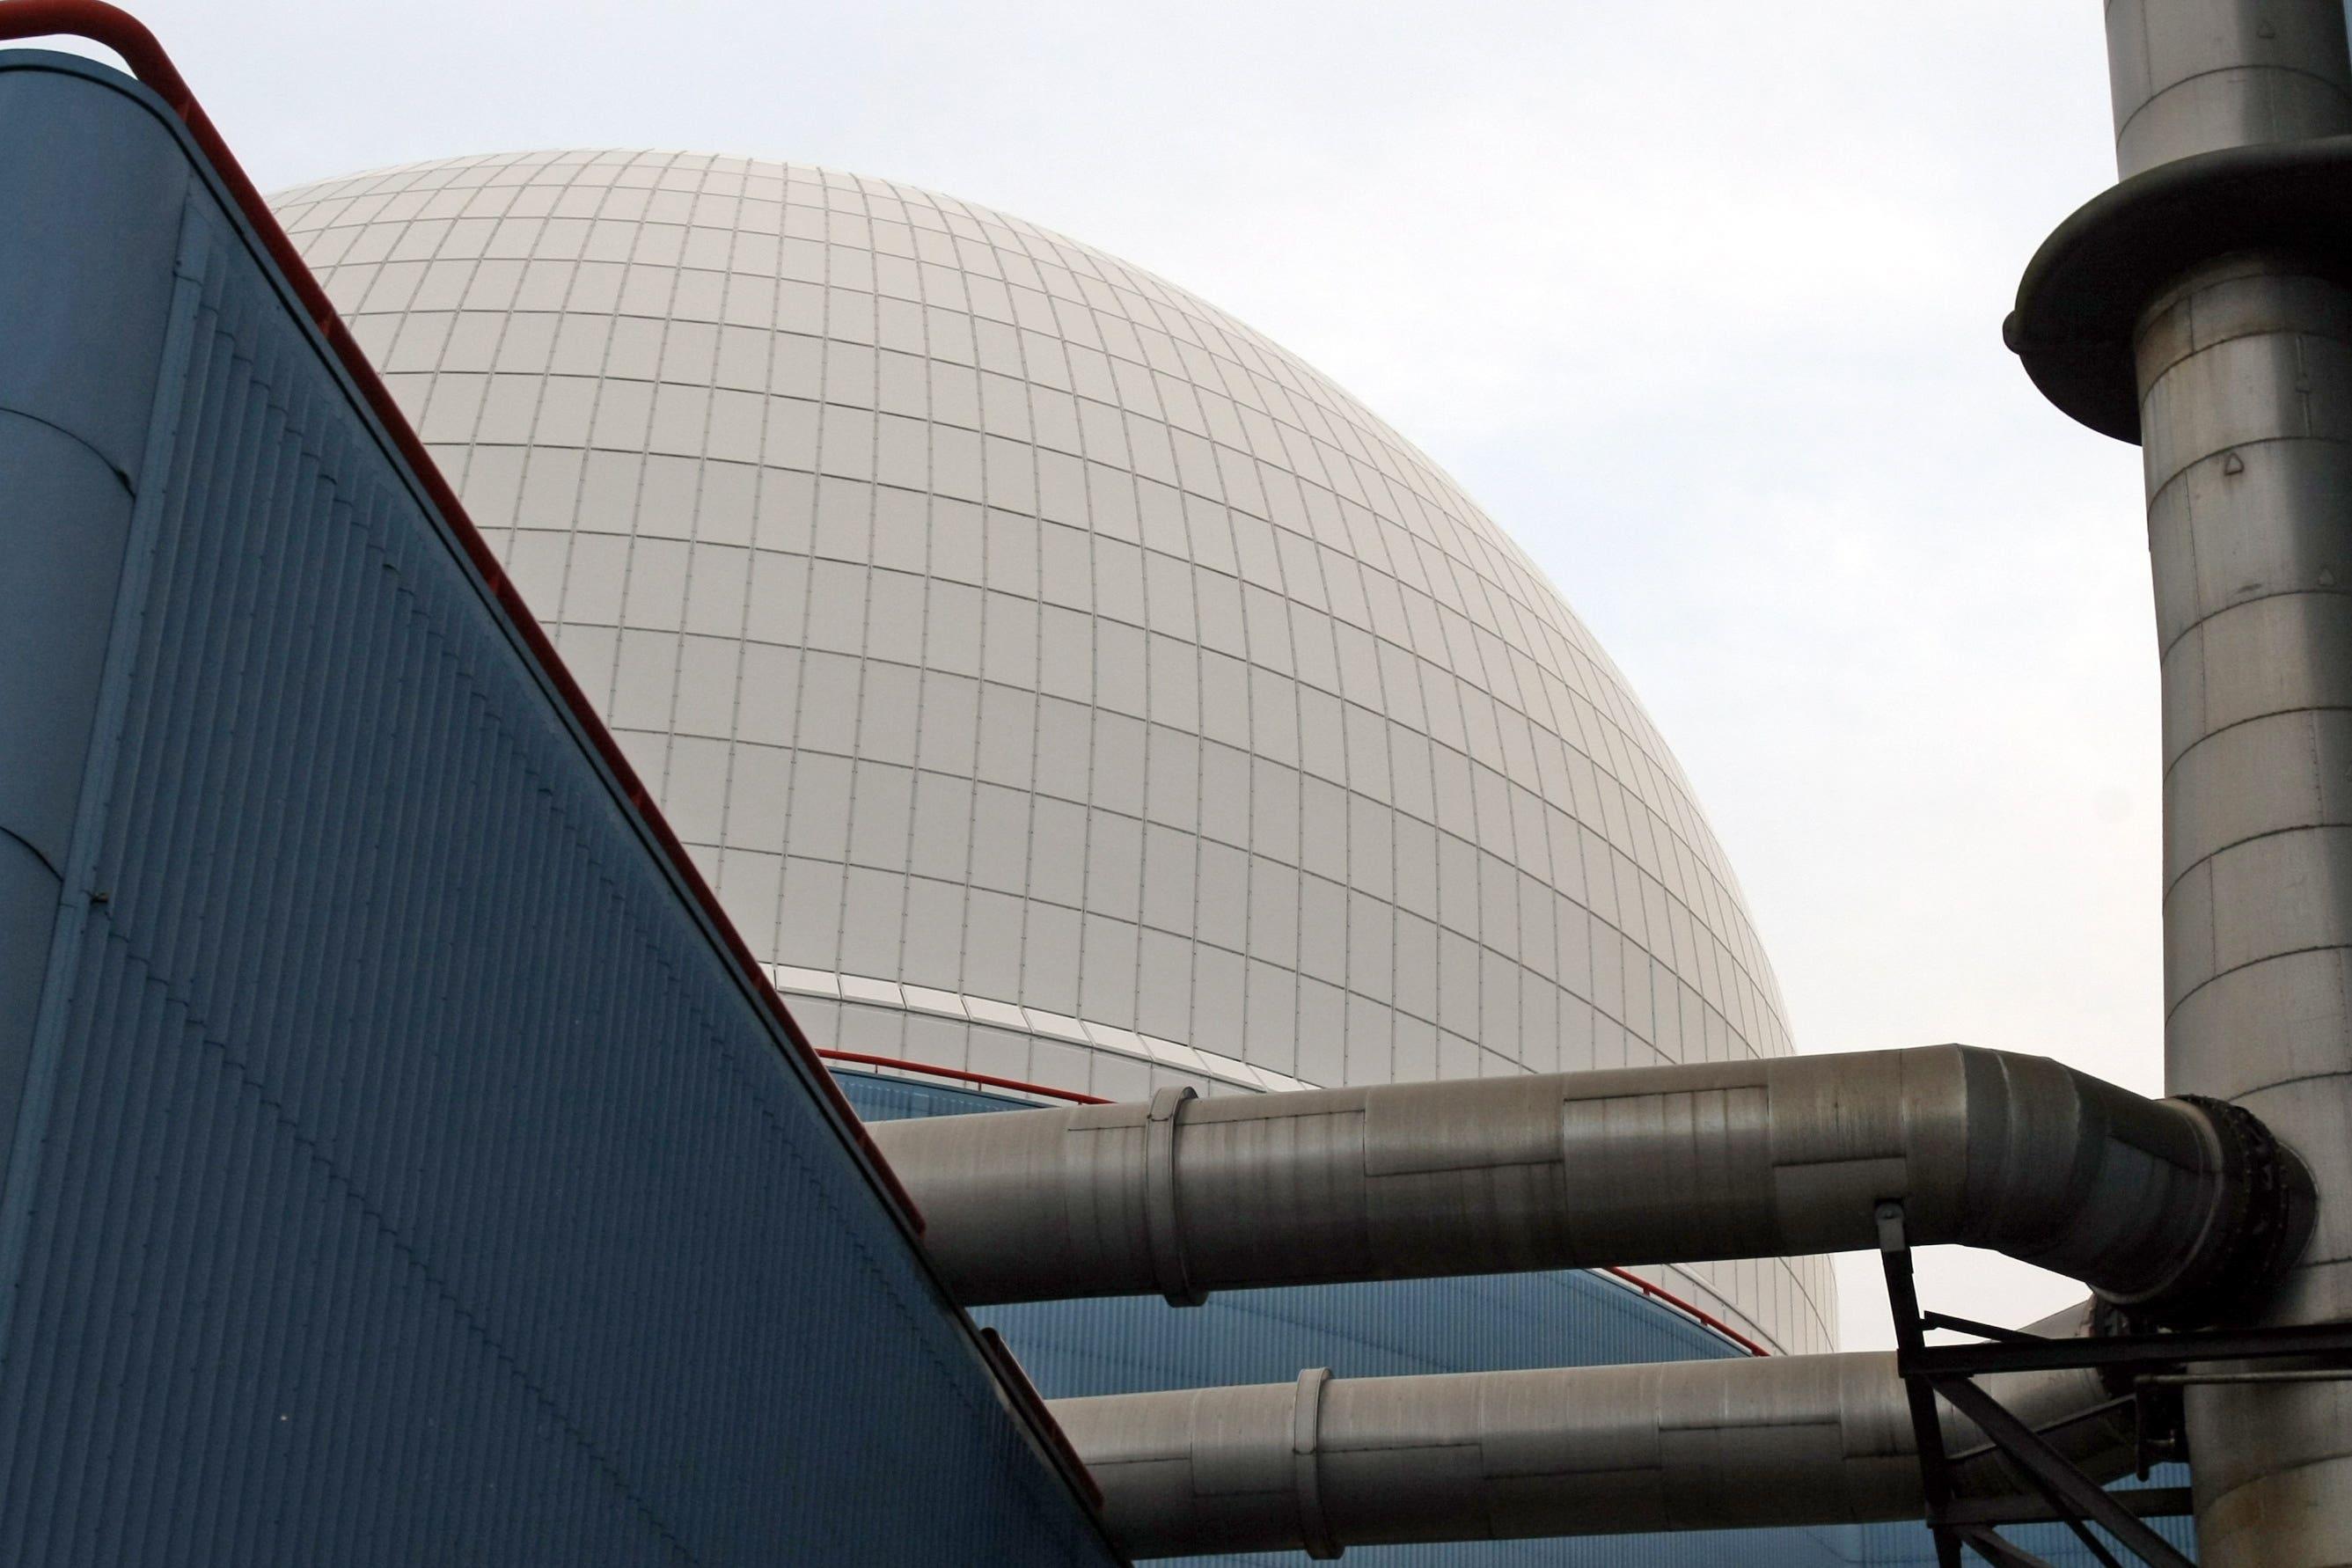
<point x="2244" y="370"/>
<point x="1325" y="1463"/>
<point x="2158" y="1204"/>
<point x="2193" y="76"/>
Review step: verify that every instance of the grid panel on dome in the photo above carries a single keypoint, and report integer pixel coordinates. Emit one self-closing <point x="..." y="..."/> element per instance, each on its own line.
<point x="999" y="619"/>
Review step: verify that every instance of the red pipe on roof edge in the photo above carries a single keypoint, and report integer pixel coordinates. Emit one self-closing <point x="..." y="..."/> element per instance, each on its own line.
<point x="991" y="1079"/>
<point x="129" y="38"/>
<point x="1691" y="1310"/>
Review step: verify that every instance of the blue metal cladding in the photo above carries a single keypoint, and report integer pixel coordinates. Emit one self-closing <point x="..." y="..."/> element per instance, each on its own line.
<point x="1909" y="1545"/>
<point x="396" y="1168"/>
<point x="1496" y="1322"/>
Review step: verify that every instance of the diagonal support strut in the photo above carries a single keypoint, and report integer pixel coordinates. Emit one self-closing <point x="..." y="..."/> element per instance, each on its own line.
<point x="2053" y="1472"/>
<point x="2074" y="1498"/>
<point x="1910" y="1336"/>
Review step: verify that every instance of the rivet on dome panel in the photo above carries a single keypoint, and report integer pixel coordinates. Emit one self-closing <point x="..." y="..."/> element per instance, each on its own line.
<point x="1055" y="676"/>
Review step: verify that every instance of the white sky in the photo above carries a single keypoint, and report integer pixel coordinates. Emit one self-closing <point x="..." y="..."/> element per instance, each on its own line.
<point x="1701" y="300"/>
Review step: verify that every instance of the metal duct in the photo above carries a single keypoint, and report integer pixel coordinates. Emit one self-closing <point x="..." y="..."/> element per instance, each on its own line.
<point x="2244" y="378"/>
<point x="2189" y="76"/>
<point x="1327" y="1463"/>
<point x="2173" y="1207"/>
<point x="2247" y="369"/>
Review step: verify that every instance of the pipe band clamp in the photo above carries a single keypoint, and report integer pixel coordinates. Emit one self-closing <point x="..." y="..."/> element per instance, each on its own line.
<point x="1306" y="1471"/>
<point x="1162" y="1227"/>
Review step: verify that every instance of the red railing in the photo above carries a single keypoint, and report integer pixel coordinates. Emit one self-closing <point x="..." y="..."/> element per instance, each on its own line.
<point x="128" y="37"/>
<point x="932" y="1070"/>
<point x="1690" y="1310"/>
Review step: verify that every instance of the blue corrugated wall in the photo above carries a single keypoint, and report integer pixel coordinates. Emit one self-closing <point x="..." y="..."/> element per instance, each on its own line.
<point x="396" y="1169"/>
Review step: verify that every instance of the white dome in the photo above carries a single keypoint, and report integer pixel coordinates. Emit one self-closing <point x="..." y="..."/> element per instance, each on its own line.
<point x="1055" y="677"/>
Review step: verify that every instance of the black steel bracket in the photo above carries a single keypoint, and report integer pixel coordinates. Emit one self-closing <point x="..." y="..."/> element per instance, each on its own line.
<point x="2147" y="1369"/>
<point x="1926" y="1429"/>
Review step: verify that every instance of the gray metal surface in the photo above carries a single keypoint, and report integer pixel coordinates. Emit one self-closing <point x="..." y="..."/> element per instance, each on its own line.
<point x="2248" y="371"/>
<point x="2245" y="373"/>
<point x="2146" y="1201"/>
<point x="1325" y="1463"/>
<point x="2190" y="76"/>
<point x="2079" y="305"/>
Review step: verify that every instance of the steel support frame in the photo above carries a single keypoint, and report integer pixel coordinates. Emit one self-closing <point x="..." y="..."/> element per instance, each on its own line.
<point x="2150" y="1365"/>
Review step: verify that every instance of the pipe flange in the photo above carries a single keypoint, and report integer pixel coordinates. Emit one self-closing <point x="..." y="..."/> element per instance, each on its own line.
<point x="2261" y="1221"/>
<point x="1162" y="1219"/>
<point x="2079" y="303"/>
<point x="1306" y="1464"/>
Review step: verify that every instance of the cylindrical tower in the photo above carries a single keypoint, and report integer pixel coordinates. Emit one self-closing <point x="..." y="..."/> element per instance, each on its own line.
<point x="2244" y="376"/>
<point x="2194" y="76"/>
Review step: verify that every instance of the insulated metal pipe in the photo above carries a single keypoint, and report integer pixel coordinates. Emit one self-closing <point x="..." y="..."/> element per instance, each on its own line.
<point x="2170" y="1207"/>
<point x="1326" y="1462"/>
<point x="2247" y="429"/>
<point x="2244" y="370"/>
<point x="2192" y="76"/>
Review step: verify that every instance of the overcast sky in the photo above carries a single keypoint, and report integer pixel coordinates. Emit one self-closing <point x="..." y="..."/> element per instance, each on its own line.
<point x="1702" y="302"/>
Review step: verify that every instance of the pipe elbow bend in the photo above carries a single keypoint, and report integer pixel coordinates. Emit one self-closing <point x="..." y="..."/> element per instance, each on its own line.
<point x="2177" y="1212"/>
